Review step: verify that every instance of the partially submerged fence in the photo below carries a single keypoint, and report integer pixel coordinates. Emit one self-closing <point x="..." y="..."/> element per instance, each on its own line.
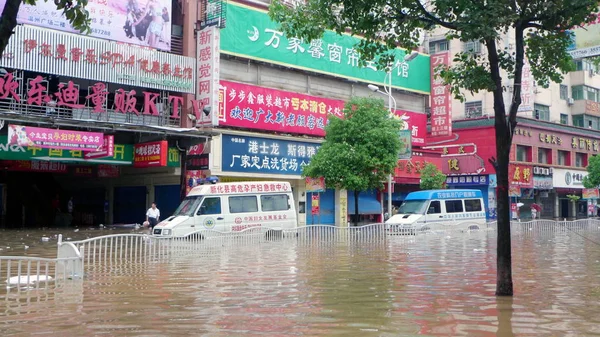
<point x="122" y="249"/>
<point x="26" y="272"/>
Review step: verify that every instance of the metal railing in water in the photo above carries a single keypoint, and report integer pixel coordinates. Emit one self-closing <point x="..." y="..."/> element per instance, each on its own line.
<point x="28" y="272"/>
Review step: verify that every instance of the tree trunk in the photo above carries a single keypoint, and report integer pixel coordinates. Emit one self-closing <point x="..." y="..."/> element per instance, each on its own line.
<point x="504" y="284"/>
<point x="356" y="193"/>
<point x="8" y="22"/>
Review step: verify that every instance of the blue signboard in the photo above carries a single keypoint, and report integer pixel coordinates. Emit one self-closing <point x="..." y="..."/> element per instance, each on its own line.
<point x="263" y="155"/>
<point x="467" y="180"/>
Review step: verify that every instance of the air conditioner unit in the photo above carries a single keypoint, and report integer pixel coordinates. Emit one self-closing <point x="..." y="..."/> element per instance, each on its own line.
<point x="570" y="101"/>
<point x="536" y="170"/>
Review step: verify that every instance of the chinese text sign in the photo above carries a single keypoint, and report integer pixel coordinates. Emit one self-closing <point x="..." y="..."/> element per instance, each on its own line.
<point x="441" y="100"/>
<point x="152" y="154"/>
<point x="250" y="33"/>
<point x="208" y="62"/>
<point x="56" y="139"/>
<point x="263" y="155"/>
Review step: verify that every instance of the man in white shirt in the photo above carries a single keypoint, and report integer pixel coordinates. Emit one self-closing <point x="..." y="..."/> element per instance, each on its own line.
<point x="152" y="216"/>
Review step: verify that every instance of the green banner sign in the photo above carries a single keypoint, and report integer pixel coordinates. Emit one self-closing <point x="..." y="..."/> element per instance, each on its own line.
<point x="250" y="33"/>
<point x="123" y="154"/>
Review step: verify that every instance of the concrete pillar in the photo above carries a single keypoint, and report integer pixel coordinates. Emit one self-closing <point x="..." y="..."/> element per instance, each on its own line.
<point x="341" y="209"/>
<point x="300" y="197"/>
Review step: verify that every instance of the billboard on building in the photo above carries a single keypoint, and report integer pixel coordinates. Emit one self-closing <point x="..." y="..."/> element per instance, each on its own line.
<point x="585" y="40"/>
<point x="250" y="33"/>
<point x="140" y="22"/>
<point x="440" y="99"/>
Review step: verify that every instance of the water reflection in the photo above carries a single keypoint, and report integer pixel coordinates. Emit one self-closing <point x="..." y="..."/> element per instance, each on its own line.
<point x="438" y="285"/>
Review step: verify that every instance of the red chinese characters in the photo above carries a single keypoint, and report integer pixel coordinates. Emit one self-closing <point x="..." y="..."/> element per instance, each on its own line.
<point x="8" y="87"/>
<point x="37" y="92"/>
<point x="68" y="96"/>
<point x="98" y="96"/>
<point x="125" y="101"/>
<point x="441" y="114"/>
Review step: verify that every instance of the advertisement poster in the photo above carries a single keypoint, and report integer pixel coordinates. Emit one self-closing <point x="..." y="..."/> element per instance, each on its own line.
<point x="590" y="193"/>
<point x="106" y="150"/>
<point x="140" y="22"/>
<point x="315" y="204"/>
<point x="56" y="139"/>
<point x="315" y="185"/>
<point x="405" y="144"/>
<point x="153" y="154"/>
<point x="585" y="41"/>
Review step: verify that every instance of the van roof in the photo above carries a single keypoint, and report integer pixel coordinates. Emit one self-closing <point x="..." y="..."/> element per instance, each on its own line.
<point x="242" y="188"/>
<point x="444" y="194"/>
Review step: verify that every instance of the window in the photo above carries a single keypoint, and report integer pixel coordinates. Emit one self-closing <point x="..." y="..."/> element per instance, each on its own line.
<point x="434" y="208"/>
<point x="564" y="119"/>
<point x="473" y="109"/>
<point x="523" y="153"/>
<point x="438" y="46"/>
<point x="542" y="112"/>
<point x="454" y="206"/>
<point x="544" y="156"/>
<point x="564" y="158"/>
<point x="210" y="206"/>
<point x="580" y="159"/>
<point x="473" y="47"/>
<point x="578" y="121"/>
<point x="564" y="92"/>
<point x="278" y="202"/>
<point x="245" y="204"/>
<point x="580" y="92"/>
<point x="473" y="205"/>
<point x="585" y="65"/>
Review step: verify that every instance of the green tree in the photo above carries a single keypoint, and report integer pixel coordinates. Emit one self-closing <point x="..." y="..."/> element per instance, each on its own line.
<point x="74" y="11"/>
<point x="432" y="178"/>
<point x="592" y="180"/>
<point x="536" y="29"/>
<point x="360" y="150"/>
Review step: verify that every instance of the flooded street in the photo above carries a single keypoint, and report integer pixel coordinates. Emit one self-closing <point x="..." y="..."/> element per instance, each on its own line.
<point x="432" y="285"/>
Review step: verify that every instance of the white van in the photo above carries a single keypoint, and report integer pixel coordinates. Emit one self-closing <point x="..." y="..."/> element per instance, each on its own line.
<point x="232" y="207"/>
<point x="438" y="210"/>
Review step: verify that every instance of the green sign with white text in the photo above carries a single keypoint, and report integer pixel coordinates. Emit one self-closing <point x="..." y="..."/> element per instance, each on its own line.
<point x="250" y="33"/>
<point x="123" y="154"/>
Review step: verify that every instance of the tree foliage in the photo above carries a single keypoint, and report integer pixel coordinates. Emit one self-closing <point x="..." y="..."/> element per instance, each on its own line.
<point x="432" y="178"/>
<point x="536" y="30"/>
<point x="360" y="150"/>
<point x="73" y="11"/>
<point x="592" y="180"/>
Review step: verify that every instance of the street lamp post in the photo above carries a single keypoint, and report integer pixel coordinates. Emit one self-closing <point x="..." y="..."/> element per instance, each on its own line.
<point x="388" y="92"/>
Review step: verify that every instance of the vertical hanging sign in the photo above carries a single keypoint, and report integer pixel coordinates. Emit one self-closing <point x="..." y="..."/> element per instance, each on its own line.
<point x="208" y="61"/>
<point x="441" y="104"/>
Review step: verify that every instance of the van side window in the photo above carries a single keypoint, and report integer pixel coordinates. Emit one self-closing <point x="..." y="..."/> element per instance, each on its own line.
<point x="210" y="206"/>
<point x="454" y="206"/>
<point x="434" y="208"/>
<point x="473" y="205"/>
<point x="243" y="204"/>
<point x="278" y="202"/>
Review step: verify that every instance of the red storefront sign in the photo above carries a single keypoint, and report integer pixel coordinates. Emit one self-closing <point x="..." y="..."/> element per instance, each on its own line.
<point x="441" y="100"/>
<point x="34" y="166"/>
<point x="520" y="175"/>
<point x="409" y="170"/>
<point x="152" y="154"/>
<point x="68" y="96"/>
<point x="108" y="171"/>
<point x="253" y="107"/>
<point x="106" y="150"/>
<point x="470" y="152"/>
<point x="555" y="140"/>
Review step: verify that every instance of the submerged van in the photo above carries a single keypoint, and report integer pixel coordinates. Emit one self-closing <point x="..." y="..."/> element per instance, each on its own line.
<point x="232" y="207"/>
<point x="439" y="209"/>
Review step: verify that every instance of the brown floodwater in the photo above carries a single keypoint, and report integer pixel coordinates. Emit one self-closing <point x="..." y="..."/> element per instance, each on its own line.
<point x="435" y="285"/>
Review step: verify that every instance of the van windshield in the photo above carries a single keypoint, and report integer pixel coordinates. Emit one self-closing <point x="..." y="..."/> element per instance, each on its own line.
<point x="188" y="206"/>
<point x="413" y="207"/>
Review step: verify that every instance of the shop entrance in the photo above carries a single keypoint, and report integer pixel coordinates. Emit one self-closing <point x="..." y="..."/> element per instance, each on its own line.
<point x="130" y="205"/>
<point x="167" y="198"/>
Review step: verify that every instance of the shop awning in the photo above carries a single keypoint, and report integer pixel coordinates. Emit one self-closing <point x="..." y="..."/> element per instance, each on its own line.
<point x="366" y="204"/>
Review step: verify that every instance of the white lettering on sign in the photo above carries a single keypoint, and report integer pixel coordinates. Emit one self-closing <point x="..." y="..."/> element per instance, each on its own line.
<point x="249" y="188"/>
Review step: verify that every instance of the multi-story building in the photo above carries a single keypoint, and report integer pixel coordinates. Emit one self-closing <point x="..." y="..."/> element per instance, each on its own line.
<point x="558" y="129"/>
<point x="94" y="120"/>
<point x="274" y="95"/>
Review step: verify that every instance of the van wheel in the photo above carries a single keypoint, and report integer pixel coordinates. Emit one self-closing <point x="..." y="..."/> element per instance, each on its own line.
<point x="195" y="237"/>
<point x="273" y="234"/>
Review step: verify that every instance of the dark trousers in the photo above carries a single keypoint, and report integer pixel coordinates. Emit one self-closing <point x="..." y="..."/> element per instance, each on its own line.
<point x="153" y="222"/>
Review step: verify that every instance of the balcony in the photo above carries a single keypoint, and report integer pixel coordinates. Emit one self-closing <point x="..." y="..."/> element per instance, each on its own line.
<point x="585" y="77"/>
<point x="586" y="107"/>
